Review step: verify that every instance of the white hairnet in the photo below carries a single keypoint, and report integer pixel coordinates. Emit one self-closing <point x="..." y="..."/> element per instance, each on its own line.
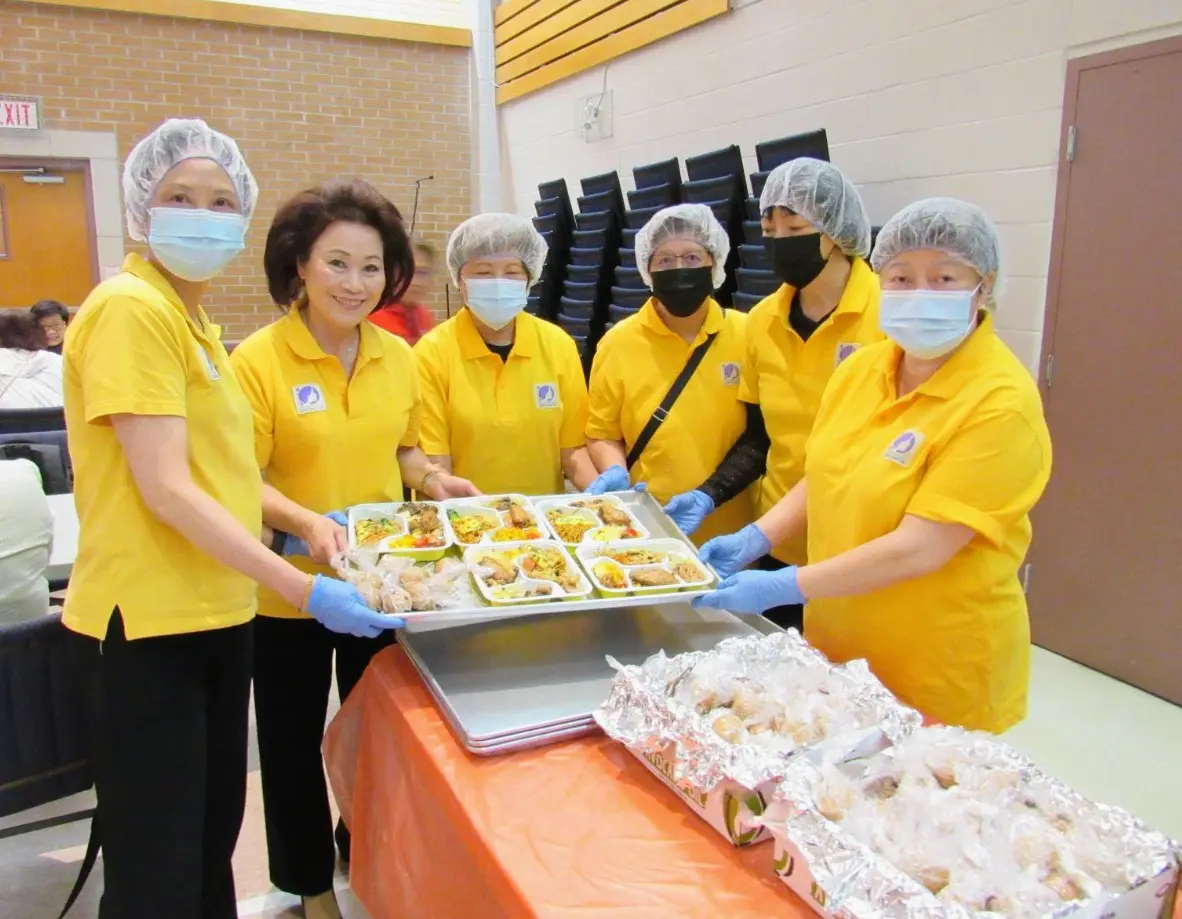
<point x="695" y="222"/>
<point x="949" y="225"/>
<point x="823" y="196"/>
<point x="491" y="235"/>
<point x="176" y="140"/>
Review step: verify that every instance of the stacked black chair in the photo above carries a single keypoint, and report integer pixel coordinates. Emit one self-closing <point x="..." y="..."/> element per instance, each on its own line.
<point x="756" y="279"/>
<point x="874" y="231"/>
<point x="716" y="179"/>
<point x="595" y="243"/>
<point x="554" y="222"/>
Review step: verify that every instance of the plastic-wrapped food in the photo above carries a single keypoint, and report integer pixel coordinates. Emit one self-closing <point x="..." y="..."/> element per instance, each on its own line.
<point x="969" y="819"/>
<point x="398" y="585"/>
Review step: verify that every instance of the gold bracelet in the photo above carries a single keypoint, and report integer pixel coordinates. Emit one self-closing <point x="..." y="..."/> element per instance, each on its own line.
<point x="308" y="594"/>
<point x="430" y="474"/>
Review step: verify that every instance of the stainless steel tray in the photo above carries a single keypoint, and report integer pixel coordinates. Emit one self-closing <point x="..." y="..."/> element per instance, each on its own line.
<point x="645" y="507"/>
<point x="524" y="679"/>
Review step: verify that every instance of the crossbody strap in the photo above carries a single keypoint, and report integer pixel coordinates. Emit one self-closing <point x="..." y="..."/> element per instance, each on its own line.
<point x="671" y="397"/>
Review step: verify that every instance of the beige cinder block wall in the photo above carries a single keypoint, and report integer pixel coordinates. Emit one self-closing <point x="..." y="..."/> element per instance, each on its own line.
<point x="305" y="106"/>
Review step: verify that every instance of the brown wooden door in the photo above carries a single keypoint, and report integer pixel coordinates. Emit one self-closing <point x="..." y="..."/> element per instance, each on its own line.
<point x="1106" y="566"/>
<point x="46" y="240"/>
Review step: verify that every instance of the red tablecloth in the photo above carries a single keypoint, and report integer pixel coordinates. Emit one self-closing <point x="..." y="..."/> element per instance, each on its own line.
<point x="578" y="830"/>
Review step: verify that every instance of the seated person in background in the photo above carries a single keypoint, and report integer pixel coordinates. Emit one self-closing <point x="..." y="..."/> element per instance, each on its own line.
<point x="408" y="318"/>
<point x="26" y="536"/>
<point x="30" y="376"/>
<point x="53" y="317"/>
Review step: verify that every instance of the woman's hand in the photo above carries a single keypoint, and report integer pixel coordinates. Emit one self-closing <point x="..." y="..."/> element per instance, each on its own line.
<point x="443" y="485"/>
<point x="729" y="554"/>
<point x="751" y="592"/>
<point x="320" y="538"/>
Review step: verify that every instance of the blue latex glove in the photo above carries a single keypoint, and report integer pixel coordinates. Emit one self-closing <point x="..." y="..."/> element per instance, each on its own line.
<point x="293" y="545"/>
<point x="339" y="608"/>
<point x="689" y="510"/>
<point x="729" y="554"/>
<point x="754" y="591"/>
<point x="614" y="478"/>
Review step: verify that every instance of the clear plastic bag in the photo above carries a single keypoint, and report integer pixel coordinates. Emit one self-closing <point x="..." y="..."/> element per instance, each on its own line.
<point x="398" y="585"/>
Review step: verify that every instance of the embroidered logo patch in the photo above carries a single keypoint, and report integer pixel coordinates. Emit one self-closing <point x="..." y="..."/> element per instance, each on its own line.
<point x="904" y="447"/>
<point x="546" y="395"/>
<point x="308" y="398"/>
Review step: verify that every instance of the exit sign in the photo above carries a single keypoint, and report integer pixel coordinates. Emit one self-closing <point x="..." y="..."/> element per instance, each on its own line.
<point x="20" y="113"/>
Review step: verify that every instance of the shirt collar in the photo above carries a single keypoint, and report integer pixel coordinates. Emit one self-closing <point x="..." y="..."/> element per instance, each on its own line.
<point x="964" y="364"/>
<point x="138" y="266"/>
<point x="858" y="296"/>
<point x="294" y="330"/>
<point x="651" y="320"/>
<point x="473" y="347"/>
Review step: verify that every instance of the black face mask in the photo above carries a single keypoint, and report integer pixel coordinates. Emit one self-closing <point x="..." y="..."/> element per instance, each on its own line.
<point x="796" y="260"/>
<point x="682" y="290"/>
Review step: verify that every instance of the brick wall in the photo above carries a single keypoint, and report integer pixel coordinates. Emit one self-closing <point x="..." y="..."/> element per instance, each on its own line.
<point x="430" y="12"/>
<point x="304" y="106"/>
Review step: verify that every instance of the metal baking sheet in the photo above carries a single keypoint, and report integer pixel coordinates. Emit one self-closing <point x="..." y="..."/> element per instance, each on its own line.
<point x="534" y="741"/>
<point x="647" y="510"/>
<point x="497" y="680"/>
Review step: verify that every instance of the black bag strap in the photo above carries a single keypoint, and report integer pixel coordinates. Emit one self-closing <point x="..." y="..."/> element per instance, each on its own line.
<point x="88" y="861"/>
<point x="671" y="397"/>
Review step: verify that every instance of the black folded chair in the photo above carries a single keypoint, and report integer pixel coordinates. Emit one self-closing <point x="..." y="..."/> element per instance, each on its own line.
<point x="638" y="218"/>
<point x="874" y="231"/>
<point x="548" y="224"/>
<point x="702" y="191"/>
<point x="744" y="302"/>
<point x="28" y="420"/>
<point x="754" y="257"/>
<point x="576" y="309"/>
<point x="772" y="153"/>
<point x="581" y="291"/>
<point x="583" y="274"/>
<point x="666" y="172"/>
<point x="760" y="283"/>
<point x="596" y="220"/>
<point x="49" y="451"/>
<point x="605" y="182"/>
<point x="575" y="327"/>
<point x="589" y="239"/>
<point x="752" y="210"/>
<point x="550" y="207"/>
<point x="752" y="233"/>
<point x="628" y="238"/>
<point x="533" y="305"/>
<point x="725" y="162"/>
<point x="724" y="210"/>
<point x="585" y="256"/>
<point x="664" y="195"/>
<point x="627" y="256"/>
<point x="604" y="201"/>
<point x="629" y="297"/>
<point x="758" y="180"/>
<point x="630" y="278"/>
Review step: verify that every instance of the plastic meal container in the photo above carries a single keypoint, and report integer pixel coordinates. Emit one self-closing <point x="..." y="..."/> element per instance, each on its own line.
<point x="495" y="595"/>
<point x="481" y="507"/>
<point x="595" y="535"/>
<point x="397" y="510"/>
<point x="592" y="556"/>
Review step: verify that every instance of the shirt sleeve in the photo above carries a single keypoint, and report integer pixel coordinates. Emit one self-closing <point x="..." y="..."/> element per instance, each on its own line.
<point x="988" y="476"/>
<point x="605" y="398"/>
<point x="133" y="362"/>
<point x="253" y="380"/>
<point x="414" y="423"/>
<point x="573" y="392"/>
<point x="434" y="427"/>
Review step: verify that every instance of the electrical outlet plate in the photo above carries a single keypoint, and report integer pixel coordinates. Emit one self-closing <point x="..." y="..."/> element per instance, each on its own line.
<point x="593" y="119"/>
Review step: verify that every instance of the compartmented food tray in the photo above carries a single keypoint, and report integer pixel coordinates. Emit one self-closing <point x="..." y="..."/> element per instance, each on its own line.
<point x="526" y="573"/>
<point x="492" y="519"/>
<point x="643" y="566"/>
<point x="416" y="529"/>
<point x="597" y="519"/>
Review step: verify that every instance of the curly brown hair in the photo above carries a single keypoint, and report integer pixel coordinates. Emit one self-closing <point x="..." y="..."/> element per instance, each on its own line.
<point x="299" y="222"/>
<point x="20" y="329"/>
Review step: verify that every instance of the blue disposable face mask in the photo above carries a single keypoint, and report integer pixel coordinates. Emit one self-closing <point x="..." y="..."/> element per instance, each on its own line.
<point x="927" y="323"/>
<point x="192" y="243"/>
<point x="496" y="301"/>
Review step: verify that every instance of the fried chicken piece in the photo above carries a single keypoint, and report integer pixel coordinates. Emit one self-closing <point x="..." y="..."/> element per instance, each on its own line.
<point x="520" y="517"/>
<point x="654" y="577"/>
<point x="613" y="516"/>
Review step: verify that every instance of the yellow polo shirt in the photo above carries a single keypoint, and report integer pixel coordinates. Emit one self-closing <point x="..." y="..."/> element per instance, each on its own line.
<point x="134" y="350"/>
<point x="635" y="364"/>
<point x="503" y="423"/>
<point x="786" y="376"/>
<point x="970" y="446"/>
<point x="323" y="440"/>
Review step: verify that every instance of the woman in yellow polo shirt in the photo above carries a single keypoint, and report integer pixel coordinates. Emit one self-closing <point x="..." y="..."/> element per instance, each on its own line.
<point x="504" y="396"/>
<point x="681" y="253"/>
<point x="928" y="454"/>
<point x="336" y="423"/>
<point x="162" y="594"/>
<point x="817" y="237"/>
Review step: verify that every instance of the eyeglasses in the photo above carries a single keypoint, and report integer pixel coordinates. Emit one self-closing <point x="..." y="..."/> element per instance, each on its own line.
<point x="669" y="262"/>
<point x="55" y="325"/>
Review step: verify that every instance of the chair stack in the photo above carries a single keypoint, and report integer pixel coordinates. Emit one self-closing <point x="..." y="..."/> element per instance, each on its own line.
<point x="716" y="180"/>
<point x="582" y="308"/>
<point x="554" y="222"/>
<point x="756" y="280"/>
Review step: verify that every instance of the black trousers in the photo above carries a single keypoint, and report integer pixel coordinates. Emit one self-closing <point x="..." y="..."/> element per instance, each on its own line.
<point x="293" y="661"/>
<point x="789" y="616"/>
<point x="168" y="733"/>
